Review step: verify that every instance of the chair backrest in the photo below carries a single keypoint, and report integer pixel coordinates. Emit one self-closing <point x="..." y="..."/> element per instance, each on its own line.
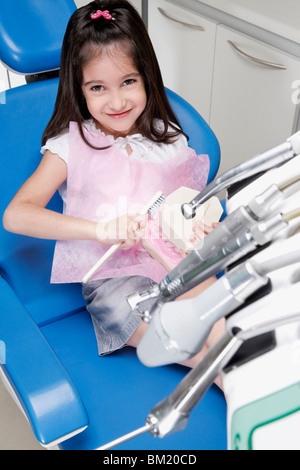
<point x="31" y="33"/>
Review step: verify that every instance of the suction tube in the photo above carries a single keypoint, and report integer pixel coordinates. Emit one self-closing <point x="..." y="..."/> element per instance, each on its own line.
<point x="230" y="240"/>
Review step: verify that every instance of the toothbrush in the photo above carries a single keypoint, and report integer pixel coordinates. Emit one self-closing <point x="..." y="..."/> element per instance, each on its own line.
<point x="151" y="207"/>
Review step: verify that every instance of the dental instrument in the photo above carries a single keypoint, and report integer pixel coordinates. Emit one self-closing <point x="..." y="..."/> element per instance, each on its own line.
<point x="240" y="233"/>
<point x="262" y="162"/>
<point x="178" y="330"/>
<point x="285" y="175"/>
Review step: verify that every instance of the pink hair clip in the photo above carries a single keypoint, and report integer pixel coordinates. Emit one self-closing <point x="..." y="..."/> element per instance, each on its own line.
<point x="106" y="15"/>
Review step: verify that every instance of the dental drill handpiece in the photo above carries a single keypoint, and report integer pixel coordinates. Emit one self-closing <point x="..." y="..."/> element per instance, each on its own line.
<point x="172" y="414"/>
<point x="234" y="249"/>
<point x="229" y="241"/>
<point x="204" y="266"/>
<point x="239" y="245"/>
<point x="262" y="162"/>
<point x="238" y="234"/>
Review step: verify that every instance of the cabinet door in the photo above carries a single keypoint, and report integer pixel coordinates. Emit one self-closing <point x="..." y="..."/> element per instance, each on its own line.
<point x="252" y="101"/>
<point x="184" y="43"/>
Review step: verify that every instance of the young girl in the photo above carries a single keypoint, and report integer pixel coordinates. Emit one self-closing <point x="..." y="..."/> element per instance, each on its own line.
<point x="113" y="142"/>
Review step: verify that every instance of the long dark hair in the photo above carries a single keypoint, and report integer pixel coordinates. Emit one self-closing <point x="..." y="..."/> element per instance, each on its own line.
<point x="86" y="38"/>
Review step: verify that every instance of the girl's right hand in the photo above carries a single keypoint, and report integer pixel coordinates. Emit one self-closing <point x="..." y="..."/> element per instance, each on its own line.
<point x="127" y="230"/>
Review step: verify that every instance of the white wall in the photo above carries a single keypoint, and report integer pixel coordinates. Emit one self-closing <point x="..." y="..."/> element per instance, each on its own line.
<point x="136" y="3"/>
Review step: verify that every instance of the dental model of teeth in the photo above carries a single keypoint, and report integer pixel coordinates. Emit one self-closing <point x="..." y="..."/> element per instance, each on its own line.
<point x="170" y="234"/>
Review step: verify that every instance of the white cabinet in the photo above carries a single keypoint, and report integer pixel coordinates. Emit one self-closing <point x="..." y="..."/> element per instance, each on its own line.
<point x="234" y="81"/>
<point x="184" y="45"/>
<point x="252" y="107"/>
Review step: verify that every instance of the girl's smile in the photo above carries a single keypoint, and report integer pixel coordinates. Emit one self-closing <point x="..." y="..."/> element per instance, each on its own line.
<point x="120" y="115"/>
<point x="114" y="92"/>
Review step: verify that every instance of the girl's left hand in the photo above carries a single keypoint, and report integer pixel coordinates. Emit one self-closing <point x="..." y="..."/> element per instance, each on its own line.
<point x="201" y="230"/>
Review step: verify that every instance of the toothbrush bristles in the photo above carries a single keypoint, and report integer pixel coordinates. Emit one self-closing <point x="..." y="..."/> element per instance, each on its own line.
<point x="155" y="207"/>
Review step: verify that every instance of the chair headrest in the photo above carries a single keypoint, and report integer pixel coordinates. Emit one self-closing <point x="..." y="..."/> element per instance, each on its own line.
<point x="31" y="33"/>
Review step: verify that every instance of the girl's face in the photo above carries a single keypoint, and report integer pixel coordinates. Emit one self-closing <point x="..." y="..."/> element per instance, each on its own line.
<point x="114" y="92"/>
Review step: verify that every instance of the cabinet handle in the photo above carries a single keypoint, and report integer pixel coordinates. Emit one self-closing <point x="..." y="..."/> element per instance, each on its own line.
<point x="188" y="25"/>
<point x="256" y="59"/>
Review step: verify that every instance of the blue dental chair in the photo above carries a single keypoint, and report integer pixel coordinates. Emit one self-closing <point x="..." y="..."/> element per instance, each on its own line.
<point x="72" y="398"/>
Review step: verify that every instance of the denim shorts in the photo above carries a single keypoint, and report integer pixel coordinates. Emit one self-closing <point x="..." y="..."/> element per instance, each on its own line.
<point x="113" y="319"/>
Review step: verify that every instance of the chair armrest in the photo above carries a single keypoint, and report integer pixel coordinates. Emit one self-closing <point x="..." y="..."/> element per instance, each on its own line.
<point x="44" y="389"/>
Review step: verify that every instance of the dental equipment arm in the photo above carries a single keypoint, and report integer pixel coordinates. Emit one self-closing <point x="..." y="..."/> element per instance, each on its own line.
<point x="218" y="250"/>
<point x="178" y="330"/>
<point x="241" y="232"/>
<point x="262" y="162"/>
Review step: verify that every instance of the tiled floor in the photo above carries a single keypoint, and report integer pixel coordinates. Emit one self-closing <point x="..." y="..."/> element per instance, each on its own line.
<point x="15" y="433"/>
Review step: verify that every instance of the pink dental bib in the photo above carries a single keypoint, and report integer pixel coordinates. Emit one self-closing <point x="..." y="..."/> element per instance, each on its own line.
<point x="105" y="184"/>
